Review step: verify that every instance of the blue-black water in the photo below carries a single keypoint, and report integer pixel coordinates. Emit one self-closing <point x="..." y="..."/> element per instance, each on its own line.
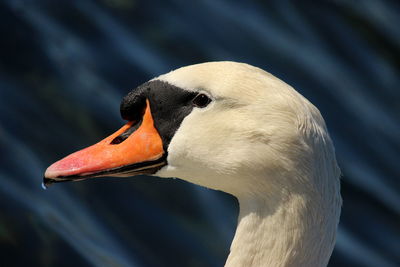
<point x="64" y="66"/>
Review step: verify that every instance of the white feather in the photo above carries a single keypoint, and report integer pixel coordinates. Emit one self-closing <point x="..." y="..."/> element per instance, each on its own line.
<point x="264" y="143"/>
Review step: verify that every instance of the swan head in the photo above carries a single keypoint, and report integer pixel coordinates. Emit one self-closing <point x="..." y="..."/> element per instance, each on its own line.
<point x="256" y="134"/>
<point x="223" y="125"/>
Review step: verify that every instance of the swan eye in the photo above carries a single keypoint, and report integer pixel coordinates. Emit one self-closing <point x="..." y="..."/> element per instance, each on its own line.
<point x="201" y="100"/>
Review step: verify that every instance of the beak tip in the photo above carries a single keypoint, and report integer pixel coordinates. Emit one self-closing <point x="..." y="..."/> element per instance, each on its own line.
<point x="69" y="165"/>
<point x="51" y="172"/>
<point x="49" y="176"/>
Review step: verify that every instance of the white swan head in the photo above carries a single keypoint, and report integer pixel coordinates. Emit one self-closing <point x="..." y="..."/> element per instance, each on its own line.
<point x="223" y="125"/>
<point x="256" y="134"/>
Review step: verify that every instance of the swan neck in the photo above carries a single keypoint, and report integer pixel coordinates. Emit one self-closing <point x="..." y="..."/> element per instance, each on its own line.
<point x="285" y="231"/>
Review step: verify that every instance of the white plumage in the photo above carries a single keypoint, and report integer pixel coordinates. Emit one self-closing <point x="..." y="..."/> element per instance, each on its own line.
<point x="264" y="143"/>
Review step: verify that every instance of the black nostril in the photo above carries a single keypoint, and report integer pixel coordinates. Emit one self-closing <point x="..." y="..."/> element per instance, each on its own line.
<point x="117" y="140"/>
<point x="122" y="137"/>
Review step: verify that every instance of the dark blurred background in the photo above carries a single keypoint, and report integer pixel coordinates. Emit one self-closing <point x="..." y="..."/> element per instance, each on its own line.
<point x="65" y="65"/>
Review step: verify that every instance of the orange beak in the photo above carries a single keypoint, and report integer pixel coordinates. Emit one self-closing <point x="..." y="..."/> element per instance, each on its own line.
<point x="126" y="152"/>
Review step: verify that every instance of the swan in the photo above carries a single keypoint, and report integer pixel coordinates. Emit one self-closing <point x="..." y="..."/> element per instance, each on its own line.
<point x="236" y="128"/>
